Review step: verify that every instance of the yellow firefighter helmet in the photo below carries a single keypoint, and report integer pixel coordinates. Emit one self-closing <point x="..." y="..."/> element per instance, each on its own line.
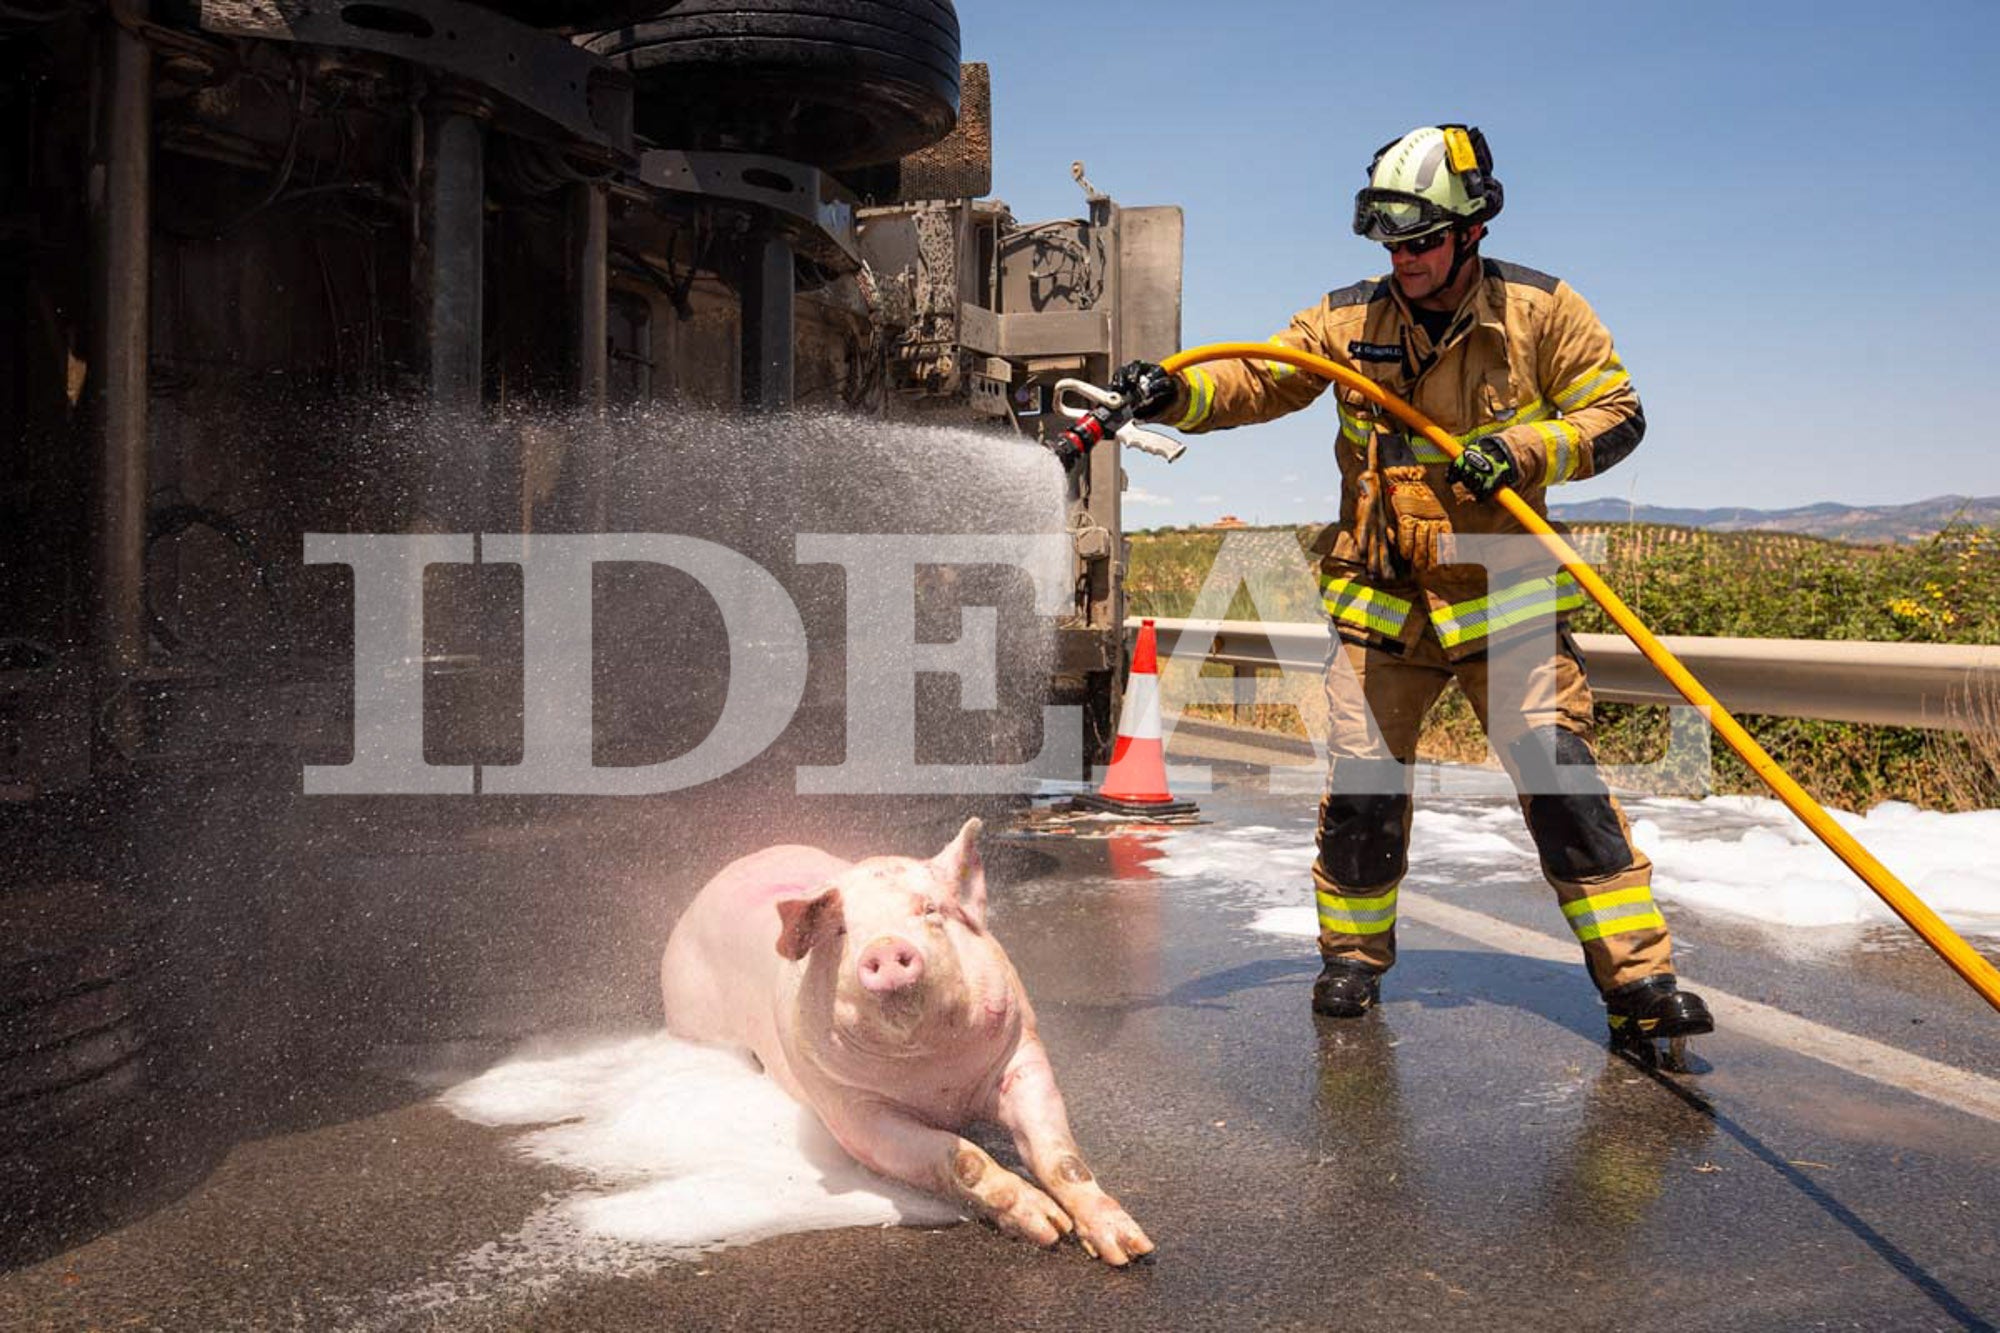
<point x="1435" y="176"/>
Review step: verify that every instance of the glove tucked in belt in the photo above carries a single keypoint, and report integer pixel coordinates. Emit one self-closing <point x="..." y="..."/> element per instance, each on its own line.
<point x="1421" y="523"/>
<point x="1373" y="521"/>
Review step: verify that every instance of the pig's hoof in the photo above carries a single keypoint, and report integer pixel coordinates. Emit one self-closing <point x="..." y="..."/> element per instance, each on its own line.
<point x="1032" y="1215"/>
<point x="1110" y="1235"/>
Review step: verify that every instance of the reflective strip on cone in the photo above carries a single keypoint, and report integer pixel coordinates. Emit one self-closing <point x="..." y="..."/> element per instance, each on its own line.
<point x="1139" y="761"/>
<point x="1140" y="719"/>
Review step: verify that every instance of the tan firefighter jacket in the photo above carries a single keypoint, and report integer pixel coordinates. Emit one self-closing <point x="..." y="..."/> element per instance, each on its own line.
<point x="1524" y="359"/>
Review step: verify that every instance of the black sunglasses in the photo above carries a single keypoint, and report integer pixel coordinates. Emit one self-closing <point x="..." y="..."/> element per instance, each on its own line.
<point x="1421" y="245"/>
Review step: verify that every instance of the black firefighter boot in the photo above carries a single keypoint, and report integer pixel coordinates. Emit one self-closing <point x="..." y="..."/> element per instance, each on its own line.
<point x="1346" y="989"/>
<point x="1654" y="1009"/>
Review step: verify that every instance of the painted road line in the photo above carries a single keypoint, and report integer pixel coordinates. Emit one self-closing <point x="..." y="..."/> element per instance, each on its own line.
<point x="1960" y="1089"/>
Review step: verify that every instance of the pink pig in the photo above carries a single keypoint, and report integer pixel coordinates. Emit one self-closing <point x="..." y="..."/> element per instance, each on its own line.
<point x="873" y="994"/>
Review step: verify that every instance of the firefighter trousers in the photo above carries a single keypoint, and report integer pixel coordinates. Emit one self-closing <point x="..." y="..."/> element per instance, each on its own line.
<point x="1541" y="731"/>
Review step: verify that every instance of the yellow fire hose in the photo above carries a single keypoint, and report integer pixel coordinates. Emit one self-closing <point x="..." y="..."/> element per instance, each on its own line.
<point x="1977" y="972"/>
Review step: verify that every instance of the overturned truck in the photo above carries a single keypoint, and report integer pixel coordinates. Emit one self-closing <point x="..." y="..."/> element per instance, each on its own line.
<point x="229" y="223"/>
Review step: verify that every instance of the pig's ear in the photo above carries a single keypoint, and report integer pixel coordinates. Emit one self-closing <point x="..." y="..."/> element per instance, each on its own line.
<point x="964" y="875"/>
<point x="808" y="921"/>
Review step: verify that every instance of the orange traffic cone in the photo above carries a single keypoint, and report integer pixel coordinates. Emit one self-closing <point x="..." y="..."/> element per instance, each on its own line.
<point x="1136" y="782"/>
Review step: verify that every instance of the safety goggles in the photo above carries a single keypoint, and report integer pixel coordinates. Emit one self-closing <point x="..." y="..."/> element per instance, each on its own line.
<point x="1418" y="245"/>
<point x="1396" y="215"/>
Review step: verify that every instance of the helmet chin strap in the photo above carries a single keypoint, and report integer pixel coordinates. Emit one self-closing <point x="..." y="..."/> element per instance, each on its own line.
<point x="1461" y="251"/>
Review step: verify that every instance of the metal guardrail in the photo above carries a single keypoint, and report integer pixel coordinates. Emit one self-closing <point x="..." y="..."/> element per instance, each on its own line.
<point x="1882" y="684"/>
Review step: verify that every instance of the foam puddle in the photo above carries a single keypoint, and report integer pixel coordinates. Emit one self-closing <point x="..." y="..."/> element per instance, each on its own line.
<point x="683" y="1149"/>
<point x="1780" y="874"/>
<point x="1774" y="872"/>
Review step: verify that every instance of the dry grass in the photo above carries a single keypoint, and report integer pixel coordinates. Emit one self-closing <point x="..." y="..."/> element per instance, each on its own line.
<point x="1967" y="762"/>
<point x="1293" y="704"/>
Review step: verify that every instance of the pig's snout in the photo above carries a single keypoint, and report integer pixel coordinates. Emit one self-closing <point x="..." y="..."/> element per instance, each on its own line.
<point x="890" y="964"/>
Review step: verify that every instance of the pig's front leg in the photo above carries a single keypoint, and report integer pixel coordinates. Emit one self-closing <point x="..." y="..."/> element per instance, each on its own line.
<point x="1031" y="1107"/>
<point x="891" y="1143"/>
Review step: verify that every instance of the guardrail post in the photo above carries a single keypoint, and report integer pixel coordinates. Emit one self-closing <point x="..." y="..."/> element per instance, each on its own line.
<point x="1246" y="693"/>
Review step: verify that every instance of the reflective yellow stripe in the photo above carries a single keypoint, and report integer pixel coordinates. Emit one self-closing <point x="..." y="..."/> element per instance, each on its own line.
<point x="1563" y="441"/>
<point x="1557" y="432"/>
<point x="1343" y="927"/>
<point x="1651" y="920"/>
<point x="1477" y="617"/>
<point x="1430" y="453"/>
<point x="1201" y="399"/>
<point x="1614" y="913"/>
<point x="1532" y="410"/>
<point x="1347" y="902"/>
<point x="1357" y="603"/>
<point x="1357" y="916"/>
<point x="1593" y="386"/>
<point x="1569" y="454"/>
<point x="1426" y="451"/>
<point x="1616" y="898"/>
<point x="1279" y="369"/>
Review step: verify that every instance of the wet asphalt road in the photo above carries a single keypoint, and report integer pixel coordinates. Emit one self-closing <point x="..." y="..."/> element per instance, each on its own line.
<point x="1467" y="1156"/>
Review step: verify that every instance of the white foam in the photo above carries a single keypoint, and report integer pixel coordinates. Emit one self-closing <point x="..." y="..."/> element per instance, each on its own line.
<point x="1744" y="856"/>
<point x="1441" y="835"/>
<point x="683" y="1148"/>
<point x="1300" y="921"/>
<point x="1246" y="860"/>
<point x="1779" y="873"/>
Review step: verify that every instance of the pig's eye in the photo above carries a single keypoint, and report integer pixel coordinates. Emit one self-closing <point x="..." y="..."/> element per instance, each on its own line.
<point x="932" y="909"/>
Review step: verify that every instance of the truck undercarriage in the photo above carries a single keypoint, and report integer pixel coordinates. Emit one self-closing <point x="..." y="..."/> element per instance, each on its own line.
<point x="420" y="267"/>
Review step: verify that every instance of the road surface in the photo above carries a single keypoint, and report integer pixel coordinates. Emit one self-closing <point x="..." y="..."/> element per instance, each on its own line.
<point x="1467" y="1156"/>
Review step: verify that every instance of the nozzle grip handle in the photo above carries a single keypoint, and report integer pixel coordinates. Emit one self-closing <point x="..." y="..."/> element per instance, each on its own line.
<point x="1152" y="442"/>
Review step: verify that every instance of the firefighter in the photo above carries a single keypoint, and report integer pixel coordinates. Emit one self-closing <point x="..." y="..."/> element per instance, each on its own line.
<point x="1417" y="582"/>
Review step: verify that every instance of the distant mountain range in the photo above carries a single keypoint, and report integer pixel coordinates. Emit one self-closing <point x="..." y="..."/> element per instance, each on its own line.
<point x="1871" y="524"/>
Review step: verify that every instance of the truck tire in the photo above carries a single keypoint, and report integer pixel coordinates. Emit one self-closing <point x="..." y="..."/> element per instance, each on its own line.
<point x="576" y="15"/>
<point x="830" y="83"/>
<point x="75" y="1056"/>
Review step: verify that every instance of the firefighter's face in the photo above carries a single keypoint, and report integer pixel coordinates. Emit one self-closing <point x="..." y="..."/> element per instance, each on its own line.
<point x="1421" y="273"/>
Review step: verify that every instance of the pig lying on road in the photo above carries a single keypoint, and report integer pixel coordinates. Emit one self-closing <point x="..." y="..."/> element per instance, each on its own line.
<point x="874" y="995"/>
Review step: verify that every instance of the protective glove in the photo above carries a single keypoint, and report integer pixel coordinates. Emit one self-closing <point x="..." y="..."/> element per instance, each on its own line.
<point x="1483" y="467"/>
<point x="1147" y="388"/>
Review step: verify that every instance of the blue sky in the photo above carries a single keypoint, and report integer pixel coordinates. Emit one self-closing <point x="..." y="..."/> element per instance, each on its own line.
<point x="1788" y="214"/>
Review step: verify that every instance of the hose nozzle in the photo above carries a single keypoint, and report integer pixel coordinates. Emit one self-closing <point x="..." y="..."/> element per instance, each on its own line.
<point x="1084" y="434"/>
<point x="1110" y="415"/>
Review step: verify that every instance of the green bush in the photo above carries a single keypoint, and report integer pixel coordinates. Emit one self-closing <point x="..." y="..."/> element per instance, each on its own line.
<point x="1945" y="589"/>
<point x="1768" y="585"/>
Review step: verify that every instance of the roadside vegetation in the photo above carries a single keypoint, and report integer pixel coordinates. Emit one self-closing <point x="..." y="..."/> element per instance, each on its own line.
<point x="1680" y="581"/>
